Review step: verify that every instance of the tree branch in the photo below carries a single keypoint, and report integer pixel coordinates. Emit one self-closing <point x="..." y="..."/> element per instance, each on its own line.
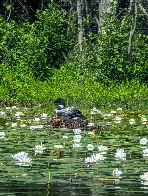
<point x="80" y="25"/>
<point x="142" y="9"/>
<point x="133" y="28"/>
<point x="10" y="10"/>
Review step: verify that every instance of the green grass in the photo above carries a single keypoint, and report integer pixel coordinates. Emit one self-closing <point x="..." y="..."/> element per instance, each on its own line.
<point x="83" y="94"/>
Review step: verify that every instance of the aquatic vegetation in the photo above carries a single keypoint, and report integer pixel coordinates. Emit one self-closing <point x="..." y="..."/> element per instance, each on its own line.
<point x="2" y="135"/>
<point x="94" y="158"/>
<point x="144" y="176"/>
<point x="14" y="125"/>
<point x="143" y="141"/>
<point x="65" y="137"/>
<point x="120" y="154"/>
<point x="19" y="114"/>
<point x="2" y="113"/>
<point x="143" y="119"/>
<point x="90" y="160"/>
<point x="23" y="125"/>
<point x="102" y="148"/>
<point x="22" y="159"/>
<point x="44" y="116"/>
<point x="58" y="146"/>
<point x="34" y="127"/>
<point x="39" y="149"/>
<point x="117" y="172"/>
<point x="117" y="119"/>
<point x="98" y="157"/>
<point x="87" y="152"/>
<point x="77" y="145"/>
<point x="77" y="131"/>
<point x="37" y="119"/>
<point x="90" y="147"/>
<point x="131" y="121"/>
<point x="145" y="152"/>
<point x="77" y="138"/>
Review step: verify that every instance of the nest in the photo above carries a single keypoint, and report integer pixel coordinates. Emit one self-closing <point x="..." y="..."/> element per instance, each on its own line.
<point x="71" y="124"/>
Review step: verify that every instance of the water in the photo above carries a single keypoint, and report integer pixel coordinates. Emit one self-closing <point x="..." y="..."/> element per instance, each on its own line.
<point x="69" y="174"/>
<point x="61" y="168"/>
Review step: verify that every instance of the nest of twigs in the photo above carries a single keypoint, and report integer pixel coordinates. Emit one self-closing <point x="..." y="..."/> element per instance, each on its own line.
<point x="71" y="123"/>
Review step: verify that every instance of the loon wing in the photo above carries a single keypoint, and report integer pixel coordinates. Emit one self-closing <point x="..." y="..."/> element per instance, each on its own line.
<point x="61" y="112"/>
<point x="70" y="112"/>
<point x="74" y="112"/>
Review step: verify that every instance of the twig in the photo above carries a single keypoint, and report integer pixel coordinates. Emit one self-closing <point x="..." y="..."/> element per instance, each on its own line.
<point x="142" y="9"/>
<point x="9" y="11"/>
<point x="134" y="20"/>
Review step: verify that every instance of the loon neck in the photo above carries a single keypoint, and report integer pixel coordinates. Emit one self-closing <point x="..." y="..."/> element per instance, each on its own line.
<point x="60" y="107"/>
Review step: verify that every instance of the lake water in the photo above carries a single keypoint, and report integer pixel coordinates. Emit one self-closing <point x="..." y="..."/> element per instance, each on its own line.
<point x="61" y="169"/>
<point x="112" y="161"/>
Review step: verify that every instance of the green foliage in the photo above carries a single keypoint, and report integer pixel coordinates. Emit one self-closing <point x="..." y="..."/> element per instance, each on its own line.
<point x="104" y="56"/>
<point x="39" y="62"/>
<point x="37" y="47"/>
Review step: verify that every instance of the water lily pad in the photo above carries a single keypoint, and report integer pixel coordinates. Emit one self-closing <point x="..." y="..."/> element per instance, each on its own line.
<point x="3" y="121"/>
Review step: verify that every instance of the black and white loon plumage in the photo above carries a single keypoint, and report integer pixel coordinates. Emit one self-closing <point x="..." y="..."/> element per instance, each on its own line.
<point x="69" y="112"/>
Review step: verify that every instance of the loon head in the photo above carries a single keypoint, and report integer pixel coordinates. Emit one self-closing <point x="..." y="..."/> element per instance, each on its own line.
<point x="60" y="102"/>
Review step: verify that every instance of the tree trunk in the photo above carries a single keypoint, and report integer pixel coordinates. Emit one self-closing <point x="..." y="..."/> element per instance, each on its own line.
<point x="80" y="23"/>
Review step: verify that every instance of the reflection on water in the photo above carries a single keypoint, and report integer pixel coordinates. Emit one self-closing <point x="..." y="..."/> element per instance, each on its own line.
<point x="72" y="188"/>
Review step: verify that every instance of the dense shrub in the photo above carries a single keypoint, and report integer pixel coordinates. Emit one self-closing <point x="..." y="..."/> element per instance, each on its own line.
<point x="37" y="47"/>
<point x="104" y="56"/>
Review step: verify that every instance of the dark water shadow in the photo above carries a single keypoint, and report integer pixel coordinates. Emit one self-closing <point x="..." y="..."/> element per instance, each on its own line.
<point x="66" y="189"/>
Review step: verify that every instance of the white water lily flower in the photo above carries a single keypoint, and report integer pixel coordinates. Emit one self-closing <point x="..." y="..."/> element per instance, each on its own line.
<point x="117" y="172"/>
<point x="102" y="148"/>
<point x="119" y="109"/>
<point x="2" y="135"/>
<point x="143" y="141"/>
<point x="14" y="125"/>
<point x="108" y="115"/>
<point x="65" y="137"/>
<point x="90" y="160"/>
<point x="58" y="146"/>
<point x="2" y="113"/>
<point x="14" y="107"/>
<point x="120" y="154"/>
<point x="131" y="121"/>
<point x="92" y="111"/>
<point x="145" y="152"/>
<point x="108" y="123"/>
<point x="77" y="131"/>
<point x="44" y="116"/>
<point x="77" y="138"/>
<point x="98" y="157"/>
<point x="39" y="149"/>
<point x="144" y="176"/>
<point x="77" y="145"/>
<point x="96" y="111"/>
<point x="8" y="108"/>
<point x="90" y="147"/>
<point x="90" y="133"/>
<point x="91" y="124"/>
<point x="143" y="119"/>
<point x="117" y="119"/>
<point x="37" y="119"/>
<point x="36" y="127"/>
<point x="144" y="183"/>
<point x="23" y="125"/>
<point x="18" y="114"/>
<point x="113" y="112"/>
<point x="22" y="159"/>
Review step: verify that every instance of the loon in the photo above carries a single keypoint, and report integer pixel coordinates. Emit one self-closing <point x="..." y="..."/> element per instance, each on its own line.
<point x="69" y="112"/>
